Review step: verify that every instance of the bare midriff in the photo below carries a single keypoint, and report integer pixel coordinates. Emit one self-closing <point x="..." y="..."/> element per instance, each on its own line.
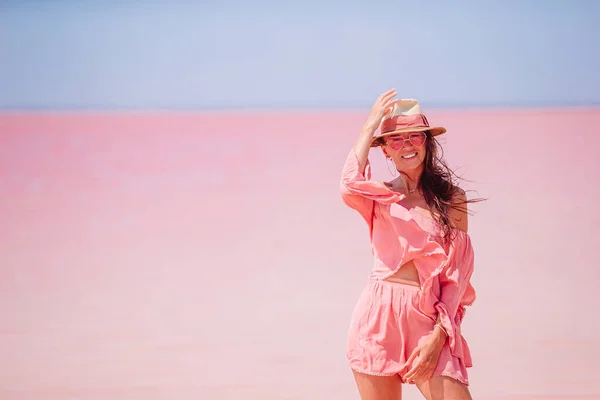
<point x="406" y="274"/>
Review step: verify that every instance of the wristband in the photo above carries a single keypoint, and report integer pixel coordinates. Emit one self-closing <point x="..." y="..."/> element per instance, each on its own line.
<point x="442" y="328"/>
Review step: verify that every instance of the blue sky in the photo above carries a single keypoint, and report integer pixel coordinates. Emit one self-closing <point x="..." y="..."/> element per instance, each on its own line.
<point x="311" y="54"/>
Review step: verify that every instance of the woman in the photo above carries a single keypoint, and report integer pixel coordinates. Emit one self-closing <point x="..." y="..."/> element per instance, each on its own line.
<point x="405" y="327"/>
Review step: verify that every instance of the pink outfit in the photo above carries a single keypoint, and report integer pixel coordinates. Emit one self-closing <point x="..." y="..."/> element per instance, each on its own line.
<point x="391" y="318"/>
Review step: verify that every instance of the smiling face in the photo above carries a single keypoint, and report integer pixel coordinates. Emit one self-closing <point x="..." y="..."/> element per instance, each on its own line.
<point x="407" y="150"/>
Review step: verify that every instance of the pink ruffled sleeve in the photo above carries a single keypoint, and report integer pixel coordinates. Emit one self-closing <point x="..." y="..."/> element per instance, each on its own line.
<point x="359" y="191"/>
<point x="456" y="293"/>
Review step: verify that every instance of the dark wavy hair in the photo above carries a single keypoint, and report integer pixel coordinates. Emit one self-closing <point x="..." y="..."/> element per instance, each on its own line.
<point x="439" y="186"/>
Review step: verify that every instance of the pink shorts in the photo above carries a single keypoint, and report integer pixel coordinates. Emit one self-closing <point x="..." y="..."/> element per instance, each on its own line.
<point x="386" y="327"/>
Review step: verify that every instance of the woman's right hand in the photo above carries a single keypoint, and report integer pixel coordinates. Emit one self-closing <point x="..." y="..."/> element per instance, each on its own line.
<point x="382" y="107"/>
<point x="362" y="145"/>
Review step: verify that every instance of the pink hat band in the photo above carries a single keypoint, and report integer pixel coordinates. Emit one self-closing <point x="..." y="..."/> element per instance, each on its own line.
<point x="399" y="122"/>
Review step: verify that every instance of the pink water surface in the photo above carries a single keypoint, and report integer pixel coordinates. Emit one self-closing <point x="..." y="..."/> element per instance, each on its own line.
<point x="209" y="256"/>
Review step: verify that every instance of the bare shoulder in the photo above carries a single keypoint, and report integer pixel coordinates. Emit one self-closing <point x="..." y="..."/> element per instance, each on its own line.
<point x="458" y="214"/>
<point x="392" y="185"/>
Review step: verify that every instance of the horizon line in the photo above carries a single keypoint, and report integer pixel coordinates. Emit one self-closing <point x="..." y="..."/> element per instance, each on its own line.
<point x="297" y="108"/>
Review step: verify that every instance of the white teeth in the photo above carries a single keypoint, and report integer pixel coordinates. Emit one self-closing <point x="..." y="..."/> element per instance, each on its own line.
<point x="407" y="156"/>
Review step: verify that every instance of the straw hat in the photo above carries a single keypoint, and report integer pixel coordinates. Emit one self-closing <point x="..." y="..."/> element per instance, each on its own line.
<point x="405" y="116"/>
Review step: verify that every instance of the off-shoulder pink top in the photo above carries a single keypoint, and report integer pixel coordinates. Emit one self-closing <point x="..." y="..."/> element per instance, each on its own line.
<point x="399" y="235"/>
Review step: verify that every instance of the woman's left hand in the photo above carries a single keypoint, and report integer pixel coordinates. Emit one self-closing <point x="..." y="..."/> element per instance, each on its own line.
<point x="428" y="354"/>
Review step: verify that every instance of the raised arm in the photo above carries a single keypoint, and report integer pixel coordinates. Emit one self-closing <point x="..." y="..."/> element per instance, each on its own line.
<point x="357" y="189"/>
<point x="362" y="145"/>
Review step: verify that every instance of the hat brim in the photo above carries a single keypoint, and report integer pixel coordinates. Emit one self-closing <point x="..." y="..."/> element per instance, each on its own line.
<point x="433" y="130"/>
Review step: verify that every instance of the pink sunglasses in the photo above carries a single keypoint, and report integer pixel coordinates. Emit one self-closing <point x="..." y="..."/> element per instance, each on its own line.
<point x="416" y="139"/>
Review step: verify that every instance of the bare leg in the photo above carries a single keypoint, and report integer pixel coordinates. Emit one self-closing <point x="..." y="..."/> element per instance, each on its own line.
<point x="373" y="387"/>
<point x="444" y="388"/>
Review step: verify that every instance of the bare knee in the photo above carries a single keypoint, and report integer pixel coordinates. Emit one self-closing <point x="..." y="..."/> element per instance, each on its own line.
<point x="372" y="387"/>
<point x="444" y="388"/>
